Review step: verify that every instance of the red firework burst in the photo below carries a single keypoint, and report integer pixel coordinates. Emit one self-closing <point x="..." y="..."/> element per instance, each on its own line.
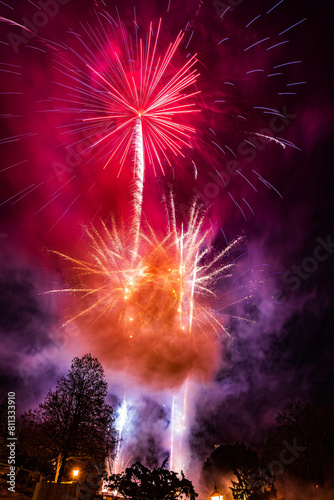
<point x="134" y="99"/>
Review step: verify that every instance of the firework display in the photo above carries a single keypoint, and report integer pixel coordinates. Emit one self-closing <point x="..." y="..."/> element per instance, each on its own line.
<point x="129" y="104"/>
<point x="135" y="106"/>
<point x="148" y="165"/>
<point x="152" y="303"/>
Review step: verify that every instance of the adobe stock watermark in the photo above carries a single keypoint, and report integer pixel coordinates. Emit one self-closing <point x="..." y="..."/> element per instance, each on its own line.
<point x="40" y="362"/>
<point x="11" y="441"/>
<point x="75" y="155"/>
<point x="89" y="486"/>
<point x="287" y="456"/>
<point x="222" y="7"/>
<point x="30" y="27"/>
<point x="3" y="236"/>
<point x="248" y="150"/>
<point x="309" y="265"/>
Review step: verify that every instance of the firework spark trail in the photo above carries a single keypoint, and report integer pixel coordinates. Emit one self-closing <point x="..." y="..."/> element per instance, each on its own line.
<point x="135" y="102"/>
<point x="127" y="98"/>
<point x="105" y="53"/>
<point x="163" y="295"/>
<point x="179" y="263"/>
<point x="171" y="461"/>
<point x="179" y="426"/>
<point x="139" y="181"/>
<point x="122" y="416"/>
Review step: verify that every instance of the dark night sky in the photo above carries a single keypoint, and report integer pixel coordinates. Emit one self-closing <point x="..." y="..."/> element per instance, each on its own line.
<point x="286" y="352"/>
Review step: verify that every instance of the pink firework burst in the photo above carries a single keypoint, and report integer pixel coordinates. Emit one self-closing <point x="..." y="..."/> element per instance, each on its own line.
<point x="131" y="93"/>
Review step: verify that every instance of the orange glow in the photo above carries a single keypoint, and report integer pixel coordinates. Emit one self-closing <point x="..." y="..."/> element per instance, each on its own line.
<point x="158" y="297"/>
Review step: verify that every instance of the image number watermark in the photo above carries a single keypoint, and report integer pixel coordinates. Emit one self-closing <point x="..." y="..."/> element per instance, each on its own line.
<point x="11" y="444"/>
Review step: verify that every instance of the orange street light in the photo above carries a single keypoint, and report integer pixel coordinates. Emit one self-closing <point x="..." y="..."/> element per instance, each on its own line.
<point x="216" y="494"/>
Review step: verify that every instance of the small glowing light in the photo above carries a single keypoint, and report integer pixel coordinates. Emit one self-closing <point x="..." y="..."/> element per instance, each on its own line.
<point x="75" y="472"/>
<point x="130" y="336"/>
<point x="131" y="319"/>
<point x="216" y="495"/>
